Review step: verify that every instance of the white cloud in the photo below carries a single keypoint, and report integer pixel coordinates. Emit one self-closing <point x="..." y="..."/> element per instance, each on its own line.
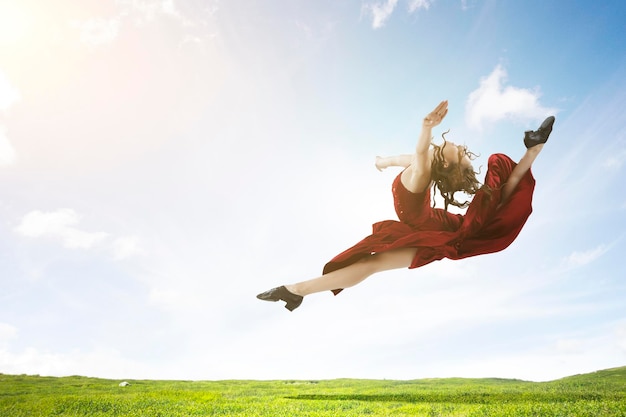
<point x="125" y="247"/>
<point x="493" y="101"/>
<point x="419" y="4"/>
<point x="147" y="10"/>
<point x="62" y="225"/>
<point x="101" y="31"/>
<point x="101" y="362"/>
<point x="586" y="257"/>
<point x="167" y="7"/>
<point x="59" y="225"/>
<point x="381" y="12"/>
<point x="98" y="31"/>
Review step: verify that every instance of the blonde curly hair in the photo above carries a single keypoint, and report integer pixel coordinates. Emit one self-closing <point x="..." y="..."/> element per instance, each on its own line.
<point x="451" y="178"/>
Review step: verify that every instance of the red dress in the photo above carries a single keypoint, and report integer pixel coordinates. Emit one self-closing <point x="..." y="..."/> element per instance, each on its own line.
<point x="437" y="234"/>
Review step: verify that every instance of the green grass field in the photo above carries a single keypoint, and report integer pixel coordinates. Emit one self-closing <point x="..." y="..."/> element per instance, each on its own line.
<point x="600" y="393"/>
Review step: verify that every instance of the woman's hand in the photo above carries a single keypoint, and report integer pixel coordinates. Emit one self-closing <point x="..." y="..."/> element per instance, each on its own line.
<point x="417" y="178"/>
<point x="380" y="163"/>
<point x="436" y="116"/>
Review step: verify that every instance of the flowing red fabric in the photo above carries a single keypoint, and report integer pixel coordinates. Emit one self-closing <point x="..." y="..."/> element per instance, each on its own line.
<point x="437" y="234"/>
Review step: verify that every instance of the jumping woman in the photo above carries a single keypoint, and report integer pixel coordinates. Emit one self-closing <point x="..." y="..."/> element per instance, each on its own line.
<point x="493" y="219"/>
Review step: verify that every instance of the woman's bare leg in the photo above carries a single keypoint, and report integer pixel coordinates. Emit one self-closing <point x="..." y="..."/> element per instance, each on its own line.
<point x="534" y="143"/>
<point x="519" y="171"/>
<point x="356" y="272"/>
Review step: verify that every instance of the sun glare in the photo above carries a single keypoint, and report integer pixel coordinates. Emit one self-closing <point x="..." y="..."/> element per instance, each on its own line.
<point x="15" y="22"/>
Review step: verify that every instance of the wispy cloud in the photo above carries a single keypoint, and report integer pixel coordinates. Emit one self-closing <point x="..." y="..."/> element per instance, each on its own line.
<point x="576" y="259"/>
<point x="98" y="31"/>
<point x="126" y="247"/>
<point x="103" y="361"/>
<point x="419" y="4"/>
<point x="147" y="10"/>
<point x="380" y="12"/>
<point x="615" y="161"/>
<point x="493" y="101"/>
<point x="101" y="31"/>
<point x="61" y="225"/>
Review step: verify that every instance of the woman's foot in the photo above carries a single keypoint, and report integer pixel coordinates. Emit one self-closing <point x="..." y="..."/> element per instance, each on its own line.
<point x="292" y="300"/>
<point x="534" y="138"/>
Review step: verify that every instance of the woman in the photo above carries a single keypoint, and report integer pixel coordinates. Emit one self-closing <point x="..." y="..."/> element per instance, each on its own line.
<point x="424" y="234"/>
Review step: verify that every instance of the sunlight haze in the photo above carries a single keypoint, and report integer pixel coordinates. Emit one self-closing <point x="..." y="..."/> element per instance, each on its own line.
<point x="163" y="161"/>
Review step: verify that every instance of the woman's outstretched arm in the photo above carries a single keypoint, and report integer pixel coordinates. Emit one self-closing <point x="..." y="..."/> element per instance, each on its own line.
<point x="416" y="178"/>
<point x="383" y="162"/>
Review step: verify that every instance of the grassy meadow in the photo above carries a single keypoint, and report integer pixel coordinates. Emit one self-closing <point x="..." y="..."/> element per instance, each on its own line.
<point x="601" y="393"/>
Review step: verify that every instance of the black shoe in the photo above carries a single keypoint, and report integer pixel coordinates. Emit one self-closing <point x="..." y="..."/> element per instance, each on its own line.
<point x="292" y="300"/>
<point x="540" y="135"/>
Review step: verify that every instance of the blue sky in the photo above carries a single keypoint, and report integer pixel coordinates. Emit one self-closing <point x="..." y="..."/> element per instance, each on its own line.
<point x="163" y="161"/>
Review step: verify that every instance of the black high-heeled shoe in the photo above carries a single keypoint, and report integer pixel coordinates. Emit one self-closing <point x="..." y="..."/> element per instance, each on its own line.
<point x="292" y="301"/>
<point x="540" y="135"/>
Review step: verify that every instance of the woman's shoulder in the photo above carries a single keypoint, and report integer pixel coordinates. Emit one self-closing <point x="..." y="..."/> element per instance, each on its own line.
<point x="499" y="158"/>
<point x="399" y="186"/>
